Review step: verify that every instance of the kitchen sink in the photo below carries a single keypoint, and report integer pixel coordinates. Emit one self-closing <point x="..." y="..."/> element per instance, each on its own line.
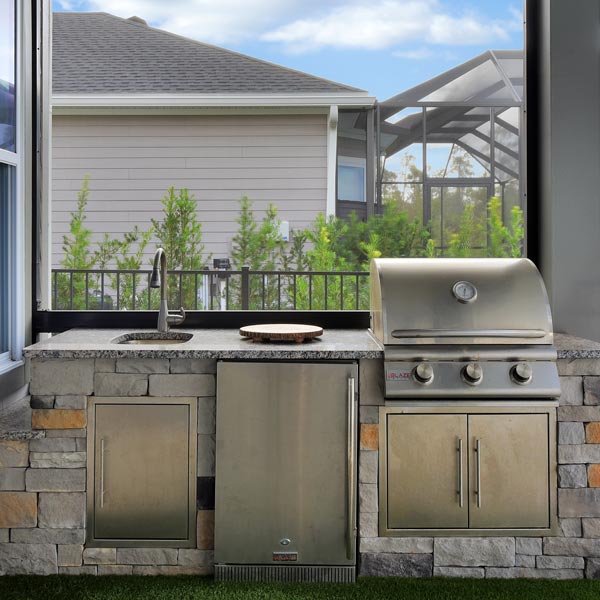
<point x="153" y="337"/>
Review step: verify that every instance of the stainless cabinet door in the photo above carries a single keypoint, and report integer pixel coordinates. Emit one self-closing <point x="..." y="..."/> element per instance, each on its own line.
<point x="509" y="459"/>
<point x="141" y="481"/>
<point x="426" y="471"/>
<point x="281" y="464"/>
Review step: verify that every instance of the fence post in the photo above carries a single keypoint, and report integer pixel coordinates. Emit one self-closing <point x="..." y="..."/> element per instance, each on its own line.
<point x="245" y="288"/>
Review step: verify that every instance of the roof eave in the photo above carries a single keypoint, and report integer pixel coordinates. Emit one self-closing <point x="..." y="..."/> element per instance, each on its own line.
<point x="340" y="99"/>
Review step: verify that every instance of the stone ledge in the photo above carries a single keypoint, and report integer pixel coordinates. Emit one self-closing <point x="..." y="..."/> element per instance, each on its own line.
<point x="115" y="570"/>
<point x="18" y="509"/>
<point x="171" y="570"/>
<point x="55" y="480"/>
<point x="62" y="510"/>
<point x="469" y="572"/>
<point x="396" y="565"/>
<point x="58" y="460"/>
<point x="182" y="385"/>
<point x="53" y="445"/>
<point x="47" y="536"/>
<point x="560" y="562"/>
<point x="83" y="570"/>
<point x="522" y="572"/>
<point x="582" y="502"/>
<point x="572" y="547"/>
<point x="58" y="418"/>
<point x="582" y="453"/>
<point x="12" y="479"/>
<point x="14" y="453"/>
<point x="61" y="376"/>
<point x="28" y="559"/>
<point x="474" y="552"/>
<point x="120" y="384"/>
<point x="142" y="365"/>
<point x="70" y="555"/>
<point x="100" y="556"/>
<point x="528" y="545"/>
<point x="396" y="545"/>
<point x="146" y="556"/>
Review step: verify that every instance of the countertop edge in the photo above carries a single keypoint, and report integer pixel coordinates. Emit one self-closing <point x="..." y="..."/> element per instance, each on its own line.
<point x="214" y="354"/>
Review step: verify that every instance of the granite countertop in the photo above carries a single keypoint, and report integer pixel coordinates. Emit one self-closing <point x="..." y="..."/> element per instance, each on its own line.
<point x="228" y="344"/>
<point x="570" y="347"/>
<point x="342" y="344"/>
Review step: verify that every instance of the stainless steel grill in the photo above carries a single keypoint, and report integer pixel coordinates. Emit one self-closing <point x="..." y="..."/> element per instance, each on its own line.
<point x="460" y="328"/>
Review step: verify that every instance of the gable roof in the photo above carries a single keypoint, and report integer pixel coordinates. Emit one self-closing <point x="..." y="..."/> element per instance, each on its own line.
<point x="98" y="53"/>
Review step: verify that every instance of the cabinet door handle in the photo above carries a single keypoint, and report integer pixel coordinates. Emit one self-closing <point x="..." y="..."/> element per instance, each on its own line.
<point x="478" y="472"/>
<point x="460" y="472"/>
<point x="351" y="519"/>
<point x="102" y="473"/>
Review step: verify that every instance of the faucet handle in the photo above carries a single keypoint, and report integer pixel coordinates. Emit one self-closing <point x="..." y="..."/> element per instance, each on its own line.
<point x="176" y="318"/>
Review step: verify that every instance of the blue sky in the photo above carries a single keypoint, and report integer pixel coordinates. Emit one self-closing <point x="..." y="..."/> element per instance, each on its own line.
<point x="383" y="46"/>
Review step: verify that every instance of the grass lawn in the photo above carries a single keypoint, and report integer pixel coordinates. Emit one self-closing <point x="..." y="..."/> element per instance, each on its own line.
<point x="201" y="588"/>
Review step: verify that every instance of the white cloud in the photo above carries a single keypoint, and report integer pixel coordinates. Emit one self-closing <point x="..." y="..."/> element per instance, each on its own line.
<point x="382" y="24"/>
<point x="219" y="22"/>
<point x="65" y="4"/>
<point x="342" y="24"/>
<point x="416" y="54"/>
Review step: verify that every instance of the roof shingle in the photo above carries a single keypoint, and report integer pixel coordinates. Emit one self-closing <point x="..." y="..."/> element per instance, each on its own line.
<point x="98" y="53"/>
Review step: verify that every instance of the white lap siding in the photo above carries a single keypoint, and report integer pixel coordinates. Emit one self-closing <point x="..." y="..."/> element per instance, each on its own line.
<point x="133" y="160"/>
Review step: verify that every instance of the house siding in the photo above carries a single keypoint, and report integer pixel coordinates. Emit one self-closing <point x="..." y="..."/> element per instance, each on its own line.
<point x="133" y="160"/>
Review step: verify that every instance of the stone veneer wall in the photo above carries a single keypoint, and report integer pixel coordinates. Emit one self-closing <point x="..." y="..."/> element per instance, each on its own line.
<point x="43" y="480"/>
<point x="573" y="553"/>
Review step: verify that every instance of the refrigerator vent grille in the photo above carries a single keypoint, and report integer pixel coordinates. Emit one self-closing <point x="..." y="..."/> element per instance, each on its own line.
<point x="299" y="574"/>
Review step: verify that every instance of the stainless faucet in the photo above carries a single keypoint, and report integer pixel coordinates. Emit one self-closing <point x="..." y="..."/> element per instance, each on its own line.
<point x="158" y="279"/>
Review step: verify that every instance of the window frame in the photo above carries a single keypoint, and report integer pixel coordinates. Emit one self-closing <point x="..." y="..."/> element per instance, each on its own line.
<point x="13" y="358"/>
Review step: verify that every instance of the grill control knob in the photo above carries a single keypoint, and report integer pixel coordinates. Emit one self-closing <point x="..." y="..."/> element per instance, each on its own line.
<point x="423" y="373"/>
<point x="472" y="373"/>
<point x="522" y="373"/>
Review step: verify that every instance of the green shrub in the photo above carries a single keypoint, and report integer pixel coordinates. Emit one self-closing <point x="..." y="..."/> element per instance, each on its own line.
<point x="179" y="233"/>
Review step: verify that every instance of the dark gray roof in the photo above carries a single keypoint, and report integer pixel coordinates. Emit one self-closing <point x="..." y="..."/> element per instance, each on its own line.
<point x="98" y="53"/>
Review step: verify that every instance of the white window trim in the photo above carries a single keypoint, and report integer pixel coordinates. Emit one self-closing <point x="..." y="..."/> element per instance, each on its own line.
<point x="351" y="161"/>
<point x="16" y="275"/>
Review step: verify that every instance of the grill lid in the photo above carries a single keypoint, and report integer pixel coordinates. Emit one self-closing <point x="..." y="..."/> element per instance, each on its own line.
<point x="459" y="301"/>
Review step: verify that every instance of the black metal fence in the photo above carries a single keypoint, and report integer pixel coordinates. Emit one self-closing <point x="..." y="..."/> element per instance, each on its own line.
<point x="112" y="289"/>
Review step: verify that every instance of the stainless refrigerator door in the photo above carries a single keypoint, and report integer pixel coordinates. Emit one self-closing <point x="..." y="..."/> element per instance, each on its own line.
<point x="285" y="463"/>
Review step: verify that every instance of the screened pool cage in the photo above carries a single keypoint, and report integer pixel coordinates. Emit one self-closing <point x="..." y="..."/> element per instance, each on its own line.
<point x="445" y="144"/>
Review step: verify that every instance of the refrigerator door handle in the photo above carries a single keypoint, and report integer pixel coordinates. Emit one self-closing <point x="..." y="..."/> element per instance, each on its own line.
<point x="350" y="509"/>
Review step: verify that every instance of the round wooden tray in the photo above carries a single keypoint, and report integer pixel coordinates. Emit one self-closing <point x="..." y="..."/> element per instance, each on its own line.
<point x="281" y="332"/>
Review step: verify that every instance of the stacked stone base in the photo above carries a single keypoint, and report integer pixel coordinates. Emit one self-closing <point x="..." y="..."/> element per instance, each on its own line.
<point x="573" y="554"/>
<point x="43" y="472"/>
<point x="43" y="481"/>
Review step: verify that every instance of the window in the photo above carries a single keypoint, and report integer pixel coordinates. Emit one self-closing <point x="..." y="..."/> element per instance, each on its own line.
<point x="7" y="76"/>
<point x="11" y="194"/>
<point x="5" y="177"/>
<point x="351" y="179"/>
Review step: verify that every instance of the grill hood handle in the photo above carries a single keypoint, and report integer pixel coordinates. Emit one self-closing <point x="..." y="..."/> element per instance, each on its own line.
<point x="469" y="333"/>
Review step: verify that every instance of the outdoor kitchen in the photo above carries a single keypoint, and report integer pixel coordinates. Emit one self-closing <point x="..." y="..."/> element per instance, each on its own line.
<point x="439" y="442"/>
<point x="299" y="301"/>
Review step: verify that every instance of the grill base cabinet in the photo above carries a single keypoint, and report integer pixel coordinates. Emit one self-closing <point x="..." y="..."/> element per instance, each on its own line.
<point x="286" y="471"/>
<point x="141" y="472"/>
<point x="467" y="471"/>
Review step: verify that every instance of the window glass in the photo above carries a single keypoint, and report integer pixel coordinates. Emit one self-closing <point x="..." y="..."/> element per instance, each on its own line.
<point x="6" y="194"/>
<point x="7" y="75"/>
<point x="351" y="182"/>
